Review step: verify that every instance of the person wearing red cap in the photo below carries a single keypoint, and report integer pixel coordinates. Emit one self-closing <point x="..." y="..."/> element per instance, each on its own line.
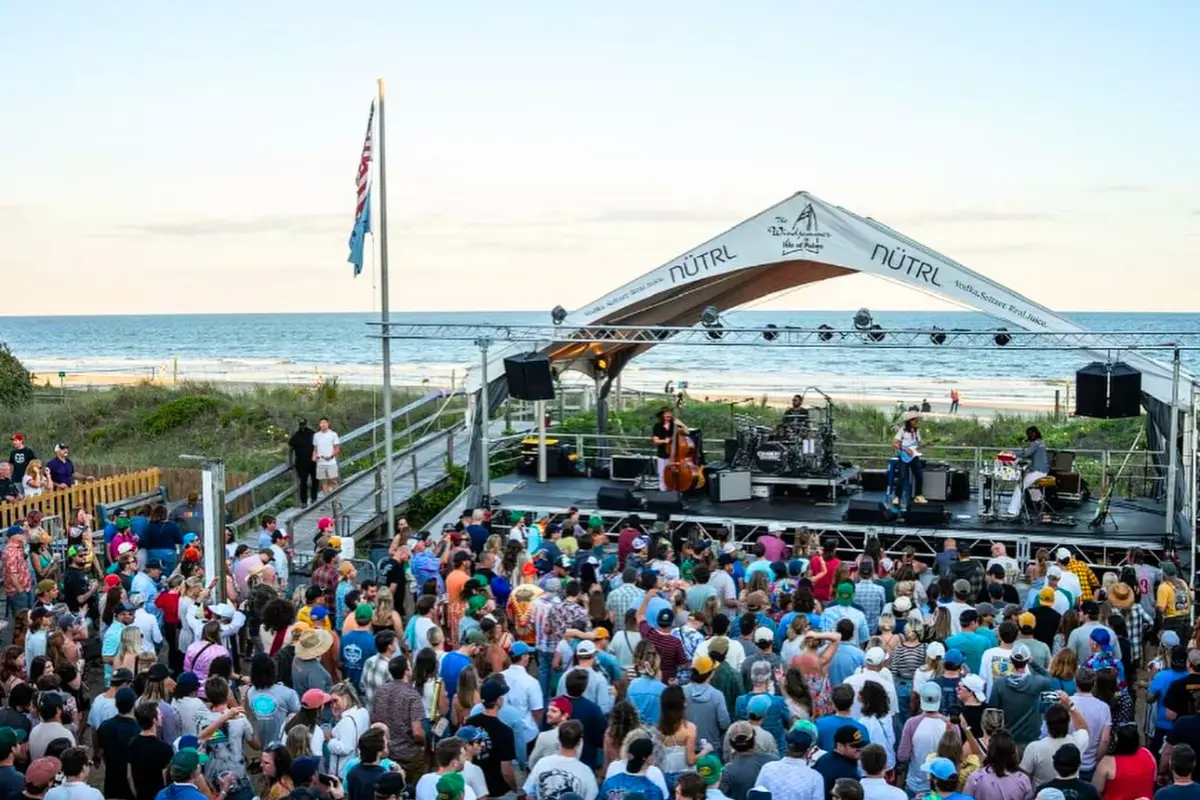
<point x="20" y="456"/>
<point x="557" y="711"/>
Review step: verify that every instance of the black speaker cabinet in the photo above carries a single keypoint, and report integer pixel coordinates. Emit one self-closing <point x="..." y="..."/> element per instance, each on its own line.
<point x="873" y="480"/>
<point x="664" y="502"/>
<point x="861" y="510"/>
<point x="926" y="514"/>
<point x="529" y="376"/>
<point x="1108" y="391"/>
<point x="616" y="498"/>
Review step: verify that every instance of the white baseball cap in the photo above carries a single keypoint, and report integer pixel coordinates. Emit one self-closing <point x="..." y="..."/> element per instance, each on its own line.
<point x="935" y="650"/>
<point x="585" y="648"/>
<point x="1063" y="554"/>
<point x="876" y="656"/>
<point x="764" y="634"/>
<point x="1054" y="571"/>
<point x="975" y="685"/>
<point x="902" y="605"/>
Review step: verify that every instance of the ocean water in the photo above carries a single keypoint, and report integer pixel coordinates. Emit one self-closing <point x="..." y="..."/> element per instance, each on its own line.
<point x="301" y="348"/>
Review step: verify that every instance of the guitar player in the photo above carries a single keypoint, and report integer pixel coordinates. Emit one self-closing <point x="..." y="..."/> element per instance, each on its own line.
<point x="907" y="443"/>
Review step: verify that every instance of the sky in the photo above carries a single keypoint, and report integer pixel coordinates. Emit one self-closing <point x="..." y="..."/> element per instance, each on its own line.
<point x="200" y="157"/>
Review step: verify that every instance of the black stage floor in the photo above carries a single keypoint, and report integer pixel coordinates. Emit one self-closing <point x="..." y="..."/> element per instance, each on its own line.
<point x="1137" y="522"/>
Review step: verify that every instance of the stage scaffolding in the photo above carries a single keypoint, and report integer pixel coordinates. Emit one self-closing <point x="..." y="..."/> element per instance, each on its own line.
<point x="570" y="344"/>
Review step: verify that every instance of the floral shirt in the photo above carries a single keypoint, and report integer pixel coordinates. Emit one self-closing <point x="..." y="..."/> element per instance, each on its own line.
<point x="542" y="607"/>
<point x="18" y="577"/>
<point x="562" y="617"/>
<point x="398" y="705"/>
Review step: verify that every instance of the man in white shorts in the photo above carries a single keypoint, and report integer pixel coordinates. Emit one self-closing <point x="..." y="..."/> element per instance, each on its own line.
<point x="326" y="449"/>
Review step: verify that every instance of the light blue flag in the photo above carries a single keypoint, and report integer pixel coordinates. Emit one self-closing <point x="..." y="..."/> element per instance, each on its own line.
<point x="362" y="226"/>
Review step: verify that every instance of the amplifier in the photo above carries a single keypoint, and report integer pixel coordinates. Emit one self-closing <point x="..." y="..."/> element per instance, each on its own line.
<point x="664" y="502"/>
<point x="729" y="485"/>
<point x="960" y="485"/>
<point x="936" y="485"/>
<point x="629" y="468"/>
<point x="1061" y="461"/>
<point x="862" y="510"/>
<point x="616" y="498"/>
<point x="873" y="480"/>
<point x="928" y="514"/>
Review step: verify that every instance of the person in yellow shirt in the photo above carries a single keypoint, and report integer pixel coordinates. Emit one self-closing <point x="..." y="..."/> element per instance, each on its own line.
<point x="1174" y="601"/>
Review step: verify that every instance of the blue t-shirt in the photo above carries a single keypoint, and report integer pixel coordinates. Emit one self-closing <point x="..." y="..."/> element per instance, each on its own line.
<point x="621" y="785"/>
<point x="845" y="662"/>
<point x="1159" y="685"/>
<point x="645" y="694"/>
<point x="479" y="536"/>
<point x="452" y="664"/>
<point x="828" y="725"/>
<point x="972" y="646"/>
<point x="1173" y="792"/>
<point x="773" y="722"/>
<point x="357" y="647"/>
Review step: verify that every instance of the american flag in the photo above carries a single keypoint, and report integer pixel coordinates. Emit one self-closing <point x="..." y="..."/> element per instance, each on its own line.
<point x="364" y="165"/>
<point x="362" y="211"/>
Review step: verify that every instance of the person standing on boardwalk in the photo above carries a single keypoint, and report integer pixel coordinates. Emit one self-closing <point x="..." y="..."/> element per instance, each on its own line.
<point x="300" y="451"/>
<point x="326" y="449"/>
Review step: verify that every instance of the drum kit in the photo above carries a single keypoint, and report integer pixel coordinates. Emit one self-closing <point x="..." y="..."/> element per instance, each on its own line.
<point x="793" y="449"/>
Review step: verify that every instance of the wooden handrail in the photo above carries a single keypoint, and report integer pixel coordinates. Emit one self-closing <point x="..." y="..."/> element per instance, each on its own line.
<point x="63" y="502"/>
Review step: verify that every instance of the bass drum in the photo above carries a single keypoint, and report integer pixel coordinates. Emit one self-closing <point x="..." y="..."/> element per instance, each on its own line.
<point x="772" y="458"/>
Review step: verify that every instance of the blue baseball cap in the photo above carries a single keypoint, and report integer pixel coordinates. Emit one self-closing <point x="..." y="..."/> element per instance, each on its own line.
<point x="758" y="706"/>
<point x="800" y="739"/>
<point x="469" y="733"/>
<point x="519" y="649"/>
<point x="941" y="768"/>
<point x="954" y="658"/>
<point x="319" y="612"/>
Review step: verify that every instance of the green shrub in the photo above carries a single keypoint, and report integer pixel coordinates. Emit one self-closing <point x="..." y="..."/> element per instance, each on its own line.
<point x="16" y="384"/>
<point x="178" y="413"/>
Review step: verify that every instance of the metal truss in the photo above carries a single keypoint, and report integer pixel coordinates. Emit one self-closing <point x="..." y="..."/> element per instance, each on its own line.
<point x="786" y="336"/>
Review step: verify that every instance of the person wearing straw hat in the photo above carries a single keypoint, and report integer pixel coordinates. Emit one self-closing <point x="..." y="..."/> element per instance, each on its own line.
<point x="907" y="443"/>
<point x="307" y="670"/>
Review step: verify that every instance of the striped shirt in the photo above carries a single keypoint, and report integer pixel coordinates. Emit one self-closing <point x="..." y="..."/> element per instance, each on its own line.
<point x="907" y="660"/>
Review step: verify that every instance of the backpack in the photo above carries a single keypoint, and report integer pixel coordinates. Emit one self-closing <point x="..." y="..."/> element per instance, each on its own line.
<point x="1182" y="601"/>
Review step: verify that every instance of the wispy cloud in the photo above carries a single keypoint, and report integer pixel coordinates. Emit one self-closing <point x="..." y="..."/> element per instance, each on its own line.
<point x="971" y="216"/>
<point x="665" y="215"/>
<point x="296" y="224"/>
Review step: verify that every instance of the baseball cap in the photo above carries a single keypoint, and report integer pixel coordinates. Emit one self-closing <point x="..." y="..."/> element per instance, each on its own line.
<point x="476" y="637"/>
<point x="764" y="634"/>
<point x="11" y="736"/>
<point x="585" y="649"/>
<point x="665" y="618"/>
<point x="304" y="769"/>
<point x="800" y="739"/>
<point x="741" y="736"/>
<point x="460" y="557"/>
<point x="123" y="675"/>
<point x="640" y="543"/>
<point x="983" y="610"/>
<point x="1169" y="569"/>
<point x="849" y="734"/>
<point x="187" y="681"/>
<point x="941" y="768"/>
<point x="492" y="690"/>
<point x="1168" y="639"/>
<point x="1027" y="620"/>
<point x="469" y="733"/>
<point x="363" y="613"/>
<point x="1101" y="638"/>
<point x="563" y="704"/>
<point x="158" y="672"/>
<point x="709" y="767"/>
<point x="125" y="608"/>
<point x="315" y="698"/>
<point x="935" y="650"/>
<point x="1020" y="654"/>
<point x="1053" y="571"/>
<point x="757" y="599"/>
<point x="1046" y="596"/>
<point x="67" y="621"/>
<point x="451" y="786"/>
<point x="190" y="760"/>
<point x="318" y="612"/>
<point x="702" y="665"/>
<point x="476" y="603"/>
<point x="845" y="591"/>
<point x="902" y="605"/>
<point x="758" y="706"/>
<point x="519" y="649"/>
<point x="876" y="656"/>
<point x="111" y="580"/>
<point x="975" y="685"/>
<point x="931" y="696"/>
<point x="1050" y="793"/>
<point x="45" y="586"/>
<point x="43" y="771"/>
<point x="718" y="644"/>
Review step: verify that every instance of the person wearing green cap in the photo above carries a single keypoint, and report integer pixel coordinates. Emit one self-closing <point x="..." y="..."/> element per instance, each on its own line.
<point x="451" y="786"/>
<point x="477" y="607"/>
<point x="710" y="768"/>
<point x="842" y="608"/>
<point x="358" y="645"/>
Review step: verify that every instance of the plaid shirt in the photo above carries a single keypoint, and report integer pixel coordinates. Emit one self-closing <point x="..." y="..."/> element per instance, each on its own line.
<point x="375" y="674"/>
<point x="1087" y="579"/>
<point x="836" y="613"/>
<point x="1139" y="624"/>
<point x="621" y="600"/>
<point x="325" y="577"/>
<point x="869" y="598"/>
<point x="542" y="607"/>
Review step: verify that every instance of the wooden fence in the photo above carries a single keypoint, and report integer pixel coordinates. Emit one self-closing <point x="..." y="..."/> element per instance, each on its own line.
<point x="178" y="481"/>
<point x="63" y="502"/>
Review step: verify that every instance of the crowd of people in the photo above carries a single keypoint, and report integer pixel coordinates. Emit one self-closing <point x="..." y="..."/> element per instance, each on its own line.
<point x="572" y="660"/>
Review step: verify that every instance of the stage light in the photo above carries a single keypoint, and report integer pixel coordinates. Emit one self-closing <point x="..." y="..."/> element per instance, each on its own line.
<point x="825" y="333"/>
<point x="938" y="336"/>
<point x="558" y="314"/>
<point x="602" y="364"/>
<point x="1001" y="338"/>
<point x="770" y="333"/>
<point x="714" y="331"/>
<point x="875" y="333"/>
<point x="710" y="317"/>
<point x="862" y="320"/>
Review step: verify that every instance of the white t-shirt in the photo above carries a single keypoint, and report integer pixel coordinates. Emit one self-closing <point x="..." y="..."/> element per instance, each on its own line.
<point x="722" y="581"/>
<point x="654" y="774"/>
<point x="555" y="775"/>
<point x="1069" y="582"/>
<point x="473" y="775"/>
<point x="734" y="656"/>
<point x="192" y="713"/>
<point x="74" y="791"/>
<point x="324" y="442"/>
<point x="995" y="664"/>
<point x="421" y="628"/>
<point x="1008" y="564"/>
<point x="427" y="787"/>
<point x="908" y="438"/>
<point x="879" y="789"/>
<point x="956" y="608"/>
<point x="1038" y="761"/>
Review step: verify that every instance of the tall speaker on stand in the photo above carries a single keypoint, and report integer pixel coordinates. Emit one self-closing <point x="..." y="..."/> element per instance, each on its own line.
<point x="1108" y="391"/>
<point x="529" y="378"/>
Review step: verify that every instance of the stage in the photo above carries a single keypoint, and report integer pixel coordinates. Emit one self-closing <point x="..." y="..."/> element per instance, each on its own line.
<point x="1139" y="523"/>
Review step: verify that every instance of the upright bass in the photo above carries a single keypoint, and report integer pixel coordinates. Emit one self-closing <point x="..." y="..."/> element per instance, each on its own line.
<point x="683" y="472"/>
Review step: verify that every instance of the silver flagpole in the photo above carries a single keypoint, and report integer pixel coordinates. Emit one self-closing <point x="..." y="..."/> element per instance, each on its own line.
<point x="389" y="480"/>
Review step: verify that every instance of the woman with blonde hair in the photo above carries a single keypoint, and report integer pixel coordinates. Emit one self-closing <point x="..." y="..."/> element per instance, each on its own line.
<point x="932" y="669"/>
<point x="939" y="629"/>
<point x="793" y="645"/>
<point x="386" y="617"/>
<point x="646" y="689"/>
<point x="353" y="720"/>
<point x="466" y="695"/>
<point x="1062" y="670"/>
<point x="888" y="639"/>
<point x="128" y="649"/>
<point x="757" y="583"/>
<point x="37" y="479"/>
<point x="298" y="741"/>
<point x="191" y="617"/>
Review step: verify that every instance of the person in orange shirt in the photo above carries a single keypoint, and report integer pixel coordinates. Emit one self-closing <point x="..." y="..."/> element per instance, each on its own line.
<point x="459" y="574"/>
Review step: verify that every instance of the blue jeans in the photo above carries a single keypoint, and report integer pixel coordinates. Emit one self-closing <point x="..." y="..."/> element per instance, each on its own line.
<point x="19" y="601"/>
<point x="545" y="672"/>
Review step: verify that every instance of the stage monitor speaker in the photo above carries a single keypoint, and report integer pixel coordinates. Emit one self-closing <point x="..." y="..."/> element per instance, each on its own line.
<point x="616" y="498"/>
<point x="529" y="376"/>
<point x="861" y="510"/>
<point x="731" y="448"/>
<point x="664" y="502"/>
<point x="1062" y="461"/>
<point x="873" y="480"/>
<point x="631" y="467"/>
<point x="1108" y="391"/>
<point x="928" y="514"/>
<point x="936" y="485"/>
<point x="960" y="485"/>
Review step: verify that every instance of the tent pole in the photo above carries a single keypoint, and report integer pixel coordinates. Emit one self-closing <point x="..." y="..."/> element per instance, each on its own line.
<point x="1173" y="444"/>
<point x="485" y="478"/>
